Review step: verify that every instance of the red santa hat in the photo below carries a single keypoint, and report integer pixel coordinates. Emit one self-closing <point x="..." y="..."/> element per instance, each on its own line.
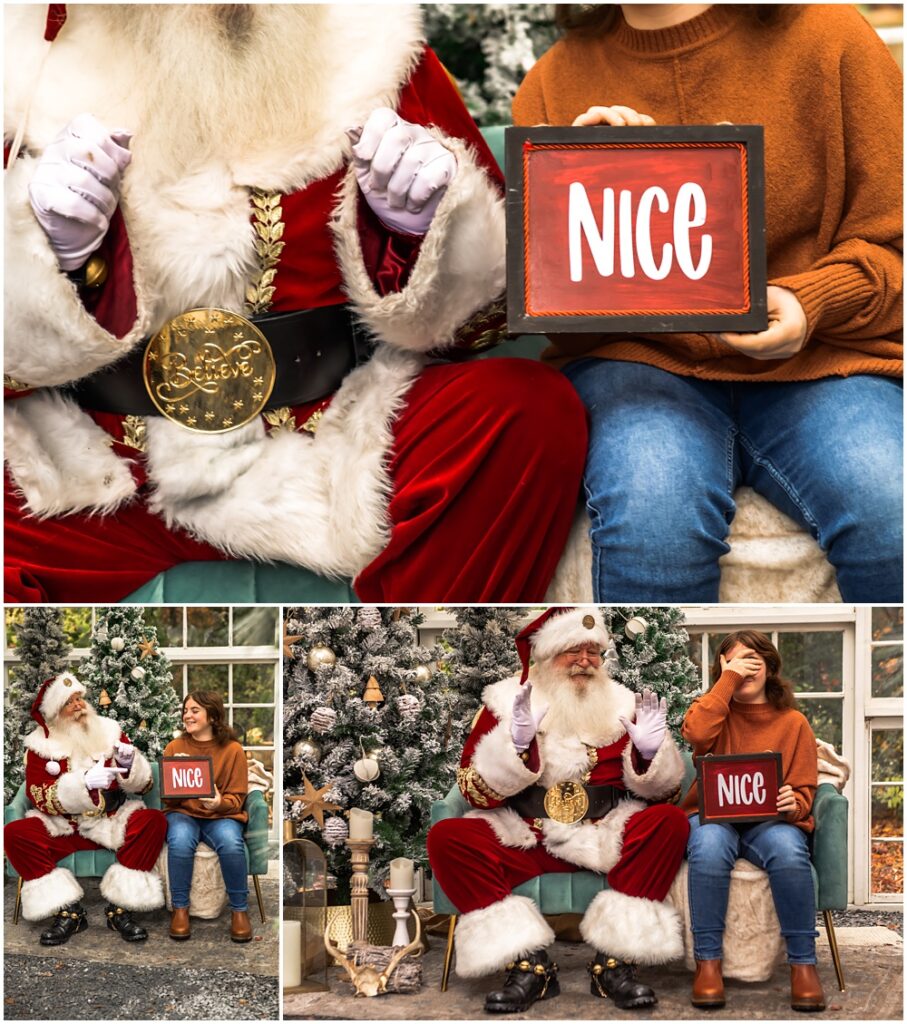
<point x="54" y="693"/>
<point x="556" y="631"/>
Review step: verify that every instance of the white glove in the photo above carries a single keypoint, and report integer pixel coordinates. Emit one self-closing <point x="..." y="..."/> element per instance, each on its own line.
<point x="525" y="722"/>
<point x="124" y="754"/>
<point x="651" y="724"/>
<point x="76" y="187"/>
<point x="100" y="777"/>
<point x="403" y="171"/>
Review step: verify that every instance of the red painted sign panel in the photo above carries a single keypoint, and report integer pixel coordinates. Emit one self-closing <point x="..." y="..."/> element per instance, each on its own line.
<point x="738" y="787"/>
<point x="186" y="777"/>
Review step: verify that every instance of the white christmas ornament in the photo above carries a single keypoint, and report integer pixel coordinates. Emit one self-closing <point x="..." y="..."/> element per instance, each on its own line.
<point x="118" y="643"/>
<point x="636" y="627"/>
<point x="137" y="673"/>
<point x="320" y="655"/>
<point x="323" y="719"/>
<point x="407" y="704"/>
<point x="52" y="767"/>
<point x="370" y="618"/>
<point x="366" y="769"/>
<point x="335" y="831"/>
<point x="423" y="674"/>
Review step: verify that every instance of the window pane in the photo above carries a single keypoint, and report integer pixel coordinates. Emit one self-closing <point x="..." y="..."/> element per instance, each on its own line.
<point x="887" y="623"/>
<point x="169" y="624"/>
<point x="888" y="671"/>
<point x="887" y="811"/>
<point x="825" y="717"/>
<point x="255" y="726"/>
<point x="694" y="650"/>
<point x="207" y="627"/>
<point x="253" y="684"/>
<point x="887" y="867"/>
<point x="13" y="621"/>
<point x="77" y="626"/>
<point x="255" y="627"/>
<point x="812" y="661"/>
<point x="715" y="641"/>
<point x="209" y="677"/>
<point x="887" y="755"/>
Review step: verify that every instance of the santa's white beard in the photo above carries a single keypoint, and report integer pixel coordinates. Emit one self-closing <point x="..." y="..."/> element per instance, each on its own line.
<point x="83" y="740"/>
<point x="581" y="707"/>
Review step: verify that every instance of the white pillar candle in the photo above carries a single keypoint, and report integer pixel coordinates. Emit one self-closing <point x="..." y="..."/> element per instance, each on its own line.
<point x="402" y="872"/>
<point x="291" y="949"/>
<point x="361" y="824"/>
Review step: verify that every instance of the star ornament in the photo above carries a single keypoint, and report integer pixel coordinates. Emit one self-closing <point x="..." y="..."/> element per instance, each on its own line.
<point x="288" y="641"/>
<point x="313" y="801"/>
<point x="148" y="649"/>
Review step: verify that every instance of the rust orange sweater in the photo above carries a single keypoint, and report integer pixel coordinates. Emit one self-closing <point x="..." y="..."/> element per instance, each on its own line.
<point x="829" y="96"/>
<point x="231" y="776"/>
<point x="718" y="724"/>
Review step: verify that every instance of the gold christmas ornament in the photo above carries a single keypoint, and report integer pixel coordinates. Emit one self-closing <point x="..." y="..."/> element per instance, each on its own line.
<point x="104" y="700"/>
<point x="148" y="649"/>
<point x="288" y="642"/>
<point x="307" y="747"/>
<point x="313" y="801"/>
<point x="373" y="694"/>
<point x="320" y="655"/>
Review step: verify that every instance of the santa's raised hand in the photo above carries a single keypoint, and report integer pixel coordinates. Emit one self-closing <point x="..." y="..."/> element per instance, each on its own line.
<point x="402" y="170"/>
<point x="124" y="754"/>
<point x="525" y="720"/>
<point x="648" y="730"/>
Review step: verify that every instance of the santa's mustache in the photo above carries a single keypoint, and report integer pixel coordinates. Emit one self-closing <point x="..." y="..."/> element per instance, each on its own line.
<point x="578" y="670"/>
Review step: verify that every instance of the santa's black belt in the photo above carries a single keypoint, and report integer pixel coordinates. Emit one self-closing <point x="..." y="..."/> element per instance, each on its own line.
<point x="567" y="801"/>
<point x="221" y="376"/>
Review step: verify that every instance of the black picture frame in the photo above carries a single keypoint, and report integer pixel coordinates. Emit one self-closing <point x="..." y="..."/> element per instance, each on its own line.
<point x="768" y="756"/>
<point x="185" y="762"/>
<point x="520" y="321"/>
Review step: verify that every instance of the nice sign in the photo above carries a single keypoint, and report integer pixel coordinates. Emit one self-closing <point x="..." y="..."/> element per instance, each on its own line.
<point x="635" y="229"/>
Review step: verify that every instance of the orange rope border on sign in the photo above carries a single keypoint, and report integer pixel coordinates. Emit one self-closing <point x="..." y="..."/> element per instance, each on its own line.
<point x="528" y="148"/>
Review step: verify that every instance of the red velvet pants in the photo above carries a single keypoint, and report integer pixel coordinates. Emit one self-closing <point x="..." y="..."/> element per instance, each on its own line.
<point x="487" y="462"/>
<point x="475" y="870"/>
<point x="33" y="852"/>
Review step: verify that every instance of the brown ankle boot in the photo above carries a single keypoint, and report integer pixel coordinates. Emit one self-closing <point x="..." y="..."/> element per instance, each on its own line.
<point x="180" y="928"/>
<point x="708" y="986"/>
<point x="240" y="926"/>
<point x="806" y="992"/>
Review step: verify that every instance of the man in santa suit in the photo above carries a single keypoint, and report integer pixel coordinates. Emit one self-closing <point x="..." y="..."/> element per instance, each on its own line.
<point x="565" y="769"/>
<point x="85" y="780"/>
<point x="238" y="236"/>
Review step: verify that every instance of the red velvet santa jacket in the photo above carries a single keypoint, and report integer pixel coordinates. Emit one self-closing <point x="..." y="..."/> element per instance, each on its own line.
<point x="491" y="771"/>
<point x="55" y="786"/>
<point x="191" y="237"/>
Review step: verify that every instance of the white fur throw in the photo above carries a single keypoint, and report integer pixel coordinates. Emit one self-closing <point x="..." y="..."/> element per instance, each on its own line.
<point x="207" y="895"/>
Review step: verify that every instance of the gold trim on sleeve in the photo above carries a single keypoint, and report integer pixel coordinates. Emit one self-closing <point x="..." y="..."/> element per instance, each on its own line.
<point x="476" y="789"/>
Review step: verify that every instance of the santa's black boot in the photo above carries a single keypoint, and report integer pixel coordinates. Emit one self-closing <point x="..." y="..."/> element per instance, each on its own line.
<point x="120" y="920"/>
<point x="528" y="980"/>
<point x="616" y="980"/>
<point x="68" y="921"/>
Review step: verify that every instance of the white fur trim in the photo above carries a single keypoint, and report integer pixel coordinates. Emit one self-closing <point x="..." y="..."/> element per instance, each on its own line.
<point x="596" y="847"/>
<point x="58" y="693"/>
<point x="132" y="890"/>
<point x="109" y="831"/>
<point x="42" y="897"/>
<point x="319" y="502"/>
<point x="508" y="826"/>
<point x="498" y="697"/>
<point x="566" y="630"/>
<point x="664" y="774"/>
<point x="459" y="270"/>
<point x="56" y="825"/>
<point x="496" y="760"/>
<point x="72" y="795"/>
<point x="139" y="774"/>
<point x="632" y="928"/>
<point x="489" y="938"/>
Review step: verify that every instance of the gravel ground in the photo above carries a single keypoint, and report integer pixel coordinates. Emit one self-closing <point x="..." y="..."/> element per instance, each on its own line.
<point x="92" y="991"/>
<point x="893" y="919"/>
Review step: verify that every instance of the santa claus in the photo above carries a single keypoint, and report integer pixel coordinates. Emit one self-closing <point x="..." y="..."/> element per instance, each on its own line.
<point x="565" y="769"/>
<point x="237" y="238"/>
<point x="84" y="779"/>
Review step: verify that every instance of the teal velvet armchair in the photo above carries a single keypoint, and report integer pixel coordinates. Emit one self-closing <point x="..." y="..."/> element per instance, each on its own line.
<point x="93" y="863"/>
<point x="572" y="893"/>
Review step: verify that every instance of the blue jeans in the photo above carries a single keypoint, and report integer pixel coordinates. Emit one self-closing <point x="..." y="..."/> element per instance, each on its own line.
<point x="225" y="837"/>
<point x="666" y="454"/>
<point x="781" y="851"/>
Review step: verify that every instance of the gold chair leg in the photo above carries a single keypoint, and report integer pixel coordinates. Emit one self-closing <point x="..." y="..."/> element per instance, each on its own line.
<point x="18" y="899"/>
<point x="833" y="943"/>
<point x="448" y="953"/>
<point x="261" y="905"/>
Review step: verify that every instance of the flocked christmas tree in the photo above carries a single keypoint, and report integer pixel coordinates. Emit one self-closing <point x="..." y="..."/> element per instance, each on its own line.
<point x="43" y="649"/>
<point x="367" y="724"/>
<point x="130" y="679"/>
<point x="652" y="647"/>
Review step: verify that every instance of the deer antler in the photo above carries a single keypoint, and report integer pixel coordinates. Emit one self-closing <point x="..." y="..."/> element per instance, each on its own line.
<point x="338" y="956"/>
<point x="400" y="954"/>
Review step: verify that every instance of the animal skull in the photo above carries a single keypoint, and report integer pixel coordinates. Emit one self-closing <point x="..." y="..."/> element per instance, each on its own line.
<point x="368" y="980"/>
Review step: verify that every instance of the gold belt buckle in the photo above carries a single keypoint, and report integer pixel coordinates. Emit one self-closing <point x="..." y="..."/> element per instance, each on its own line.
<point x="566" y="802"/>
<point x="209" y="370"/>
